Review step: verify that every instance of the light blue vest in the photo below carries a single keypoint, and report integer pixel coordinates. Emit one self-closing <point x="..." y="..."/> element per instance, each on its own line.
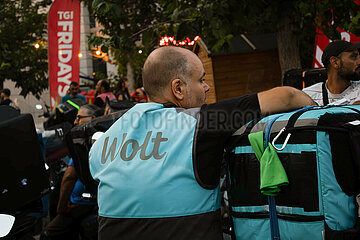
<point x="335" y="208"/>
<point x="144" y="166"/>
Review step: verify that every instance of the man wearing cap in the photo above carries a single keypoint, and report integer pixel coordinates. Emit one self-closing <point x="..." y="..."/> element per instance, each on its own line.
<point x="342" y="62"/>
<point x="5" y="97"/>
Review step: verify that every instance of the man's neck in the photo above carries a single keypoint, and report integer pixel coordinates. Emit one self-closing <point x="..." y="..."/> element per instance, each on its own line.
<point x="163" y="101"/>
<point x="337" y="84"/>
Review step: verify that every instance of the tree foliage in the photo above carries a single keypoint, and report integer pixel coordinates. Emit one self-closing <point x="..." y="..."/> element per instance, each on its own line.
<point x="21" y="27"/>
<point x="126" y="29"/>
<point x="219" y="20"/>
<point x="129" y="25"/>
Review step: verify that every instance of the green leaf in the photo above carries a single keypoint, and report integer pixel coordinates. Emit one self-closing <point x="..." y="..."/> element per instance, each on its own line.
<point x="21" y="27"/>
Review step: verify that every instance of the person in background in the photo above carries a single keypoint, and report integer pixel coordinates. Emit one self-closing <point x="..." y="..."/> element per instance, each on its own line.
<point x="102" y="92"/>
<point x="5" y="97"/>
<point x="158" y="165"/>
<point x="71" y="208"/>
<point x="342" y="62"/>
<point x="122" y="91"/>
<point x="73" y="93"/>
<point x="139" y="95"/>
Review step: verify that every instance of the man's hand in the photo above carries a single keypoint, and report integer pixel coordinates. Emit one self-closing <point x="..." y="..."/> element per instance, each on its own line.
<point x="281" y="99"/>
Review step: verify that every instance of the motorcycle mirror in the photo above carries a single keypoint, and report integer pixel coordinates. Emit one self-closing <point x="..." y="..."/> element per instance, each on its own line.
<point x="96" y="136"/>
<point x="38" y="106"/>
<point x="6" y="223"/>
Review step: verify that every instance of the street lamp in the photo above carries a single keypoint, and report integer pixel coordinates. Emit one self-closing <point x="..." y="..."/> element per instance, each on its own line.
<point x="37" y="46"/>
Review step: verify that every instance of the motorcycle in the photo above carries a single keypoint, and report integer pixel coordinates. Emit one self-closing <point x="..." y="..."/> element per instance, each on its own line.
<point x="23" y="176"/>
<point x="32" y="166"/>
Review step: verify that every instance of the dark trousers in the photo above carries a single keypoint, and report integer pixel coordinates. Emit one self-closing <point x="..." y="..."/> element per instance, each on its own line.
<point x="69" y="226"/>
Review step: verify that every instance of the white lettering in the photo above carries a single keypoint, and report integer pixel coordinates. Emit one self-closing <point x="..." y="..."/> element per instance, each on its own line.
<point x="65" y="37"/>
<point x="66" y="79"/>
<point x="64" y="68"/>
<point x="345" y="36"/>
<point x="66" y="15"/>
<point x="60" y="14"/>
<point x="65" y="46"/>
<point x="66" y="25"/>
<point x="65" y="56"/>
<point x="62" y="91"/>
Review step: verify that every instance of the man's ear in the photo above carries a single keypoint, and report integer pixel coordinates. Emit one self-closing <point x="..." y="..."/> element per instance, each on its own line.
<point x="334" y="61"/>
<point x="178" y="88"/>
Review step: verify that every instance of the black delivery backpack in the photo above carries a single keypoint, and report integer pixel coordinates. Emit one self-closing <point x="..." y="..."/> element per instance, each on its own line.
<point x="319" y="149"/>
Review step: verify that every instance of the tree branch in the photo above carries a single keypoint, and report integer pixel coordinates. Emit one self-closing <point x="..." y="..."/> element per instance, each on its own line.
<point x="162" y="23"/>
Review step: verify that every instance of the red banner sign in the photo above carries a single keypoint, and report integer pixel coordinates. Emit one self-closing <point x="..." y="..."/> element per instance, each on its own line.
<point x="63" y="46"/>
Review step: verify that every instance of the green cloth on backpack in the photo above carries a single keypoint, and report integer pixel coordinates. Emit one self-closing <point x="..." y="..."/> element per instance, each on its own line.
<point x="272" y="172"/>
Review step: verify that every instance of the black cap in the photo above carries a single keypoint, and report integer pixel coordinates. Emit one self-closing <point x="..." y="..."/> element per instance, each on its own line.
<point x="337" y="47"/>
<point x="6" y="91"/>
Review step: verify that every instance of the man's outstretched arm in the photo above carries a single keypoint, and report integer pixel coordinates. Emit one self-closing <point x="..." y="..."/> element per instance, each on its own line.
<point x="281" y="99"/>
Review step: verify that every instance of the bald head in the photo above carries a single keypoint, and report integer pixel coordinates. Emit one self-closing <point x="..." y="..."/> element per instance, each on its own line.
<point x="164" y="65"/>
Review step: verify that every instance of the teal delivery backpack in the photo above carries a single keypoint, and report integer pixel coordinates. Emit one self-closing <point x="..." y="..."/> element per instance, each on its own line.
<point x="313" y="195"/>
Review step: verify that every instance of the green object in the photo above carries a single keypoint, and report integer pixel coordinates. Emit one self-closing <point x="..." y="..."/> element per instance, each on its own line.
<point x="272" y="172"/>
<point x="73" y="104"/>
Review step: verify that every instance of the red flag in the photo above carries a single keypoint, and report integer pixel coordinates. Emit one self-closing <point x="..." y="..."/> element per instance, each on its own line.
<point x="63" y="46"/>
<point x="321" y="41"/>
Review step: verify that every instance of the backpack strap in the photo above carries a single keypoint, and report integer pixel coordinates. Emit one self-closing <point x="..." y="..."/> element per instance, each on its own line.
<point x="325" y="94"/>
<point x="274" y="223"/>
<point x="290" y="124"/>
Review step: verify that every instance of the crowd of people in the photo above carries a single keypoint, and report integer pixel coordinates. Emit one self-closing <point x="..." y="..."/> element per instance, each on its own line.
<point x="103" y="91"/>
<point x="162" y="182"/>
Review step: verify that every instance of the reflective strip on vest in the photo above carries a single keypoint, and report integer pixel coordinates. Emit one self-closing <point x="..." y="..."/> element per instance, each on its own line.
<point x="73" y="104"/>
